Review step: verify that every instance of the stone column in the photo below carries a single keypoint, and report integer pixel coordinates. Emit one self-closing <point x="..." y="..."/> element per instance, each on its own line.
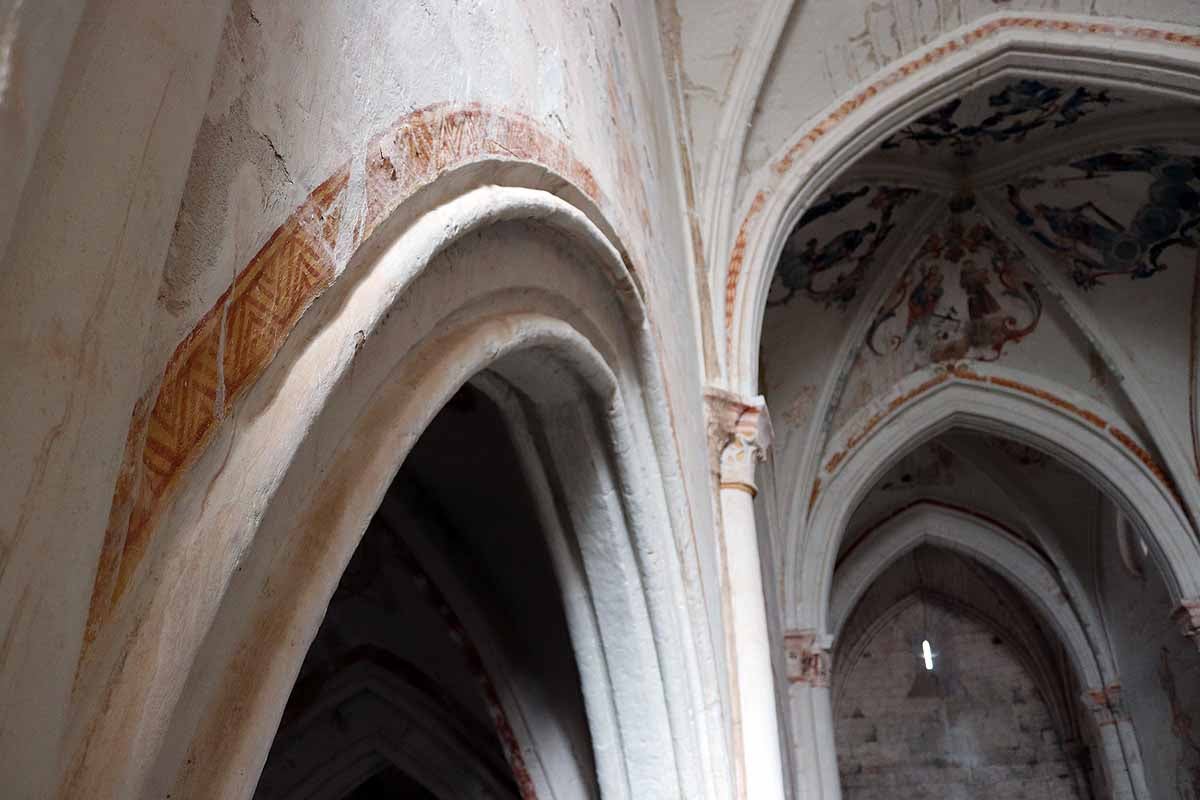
<point x="742" y="431"/>
<point x="1121" y="754"/>
<point x="1188" y="617"/>
<point x="810" y="698"/>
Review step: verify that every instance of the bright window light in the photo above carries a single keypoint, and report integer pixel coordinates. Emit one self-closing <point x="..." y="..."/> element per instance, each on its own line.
<point x="927" y="654"/>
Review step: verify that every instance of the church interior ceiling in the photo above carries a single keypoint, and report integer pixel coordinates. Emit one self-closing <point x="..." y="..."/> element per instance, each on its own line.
<point x="1044" y="226"/>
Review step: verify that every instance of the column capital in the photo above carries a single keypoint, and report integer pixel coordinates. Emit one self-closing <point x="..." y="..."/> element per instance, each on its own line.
<point x="809" y="658"/>
<point x="739" y="434"/>
<point x="1187" y="616"/>
<point x="1104" y="704"/>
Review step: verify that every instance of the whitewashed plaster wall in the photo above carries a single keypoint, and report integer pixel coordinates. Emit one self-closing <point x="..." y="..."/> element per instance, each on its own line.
<point x="93" y="225"/>
<point x="35" y="39"/>
<point x="713" y="36"/>
<point x="299" y="90"/>
<point x="713" y="48"/>
<point x="275" y="98"/>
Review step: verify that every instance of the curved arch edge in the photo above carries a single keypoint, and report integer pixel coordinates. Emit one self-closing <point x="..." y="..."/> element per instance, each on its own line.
<point x="237" y="338"/>
<point x="989" y="399"/>
<point x="901" y="90"/>
<point x="605" y="350"/>
<point x="984" y="540"/>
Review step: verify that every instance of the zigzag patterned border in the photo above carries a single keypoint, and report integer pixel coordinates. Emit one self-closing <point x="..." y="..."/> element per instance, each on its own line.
<point x="238" y="337"/>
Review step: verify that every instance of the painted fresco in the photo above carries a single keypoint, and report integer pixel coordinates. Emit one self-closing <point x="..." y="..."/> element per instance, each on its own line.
<point x="836" y="242"/>
<point x="1115" y="214"/>
<point x="966" y="294"/>
<point x="1012" y="113"/>
<point x="835" y="245"/>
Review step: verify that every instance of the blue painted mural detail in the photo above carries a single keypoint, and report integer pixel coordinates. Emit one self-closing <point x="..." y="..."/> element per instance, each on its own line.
<point x="1016" y="111"/>
<point x="934" y="323"/>
<point x="1092" y="242"/>
<point x="831" y="271"/>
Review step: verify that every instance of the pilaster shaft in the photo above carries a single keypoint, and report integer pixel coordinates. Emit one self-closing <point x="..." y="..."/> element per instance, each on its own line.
<point x="742" y="432"/>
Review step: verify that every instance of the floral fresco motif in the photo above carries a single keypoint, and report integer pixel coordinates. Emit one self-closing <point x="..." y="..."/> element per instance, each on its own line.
<point x="962" y="268"/>
<point x="1015" y="111"/>
<point x="831" y="270"/>
<point x="1092" y="240"/>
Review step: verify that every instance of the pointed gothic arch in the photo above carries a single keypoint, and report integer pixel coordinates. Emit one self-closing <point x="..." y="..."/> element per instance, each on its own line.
<point x="932" y="401"/>
<point x="1152" y="56"/>
<point x="314" y="443"/>
<point x="985" y="541"/>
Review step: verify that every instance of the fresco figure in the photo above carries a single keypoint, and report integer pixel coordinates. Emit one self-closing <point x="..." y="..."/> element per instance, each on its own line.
<point x="1017" y="110"/>
<point x="1093" y="242"/>
<point x="832" y="272"/>
<point x="925" y="296"/>
<point x="933" y="324"/>
<point x="980" y="301"/>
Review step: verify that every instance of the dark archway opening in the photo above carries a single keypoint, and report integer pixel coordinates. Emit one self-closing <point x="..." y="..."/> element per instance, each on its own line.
<point x="390" y="783"/>
<point x="443" y="667"/>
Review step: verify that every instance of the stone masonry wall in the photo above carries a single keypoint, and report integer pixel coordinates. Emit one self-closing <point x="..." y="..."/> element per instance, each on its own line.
<point x="977" y="729"/>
